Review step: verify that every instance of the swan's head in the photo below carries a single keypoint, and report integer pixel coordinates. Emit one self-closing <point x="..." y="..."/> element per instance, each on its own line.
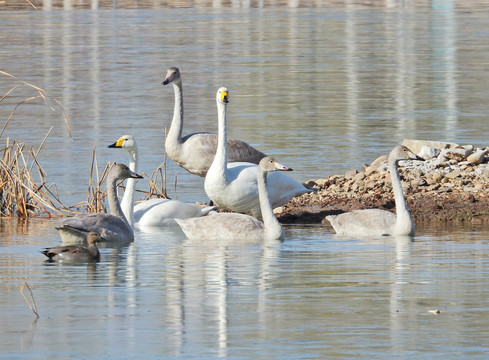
<point x="401" y="152"/>
<point x="172" y="76"/>
<point x="222" y="95"/>
<point x="125" y="142"/>
<point x="121" y="172"/>
<point x="269" y="164"/>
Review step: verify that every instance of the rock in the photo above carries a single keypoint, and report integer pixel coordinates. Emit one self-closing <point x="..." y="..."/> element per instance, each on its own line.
<point x="416" y="145"/>
<point x="477" y="157"/>
<point x="479" y="186"/>
<point x="456" y="154"/>
<point x="419" y="181"/>
<point x="428" y="152"/>
<point x="434" y="178"/>
<point x="379" y="161"/>
<point x="452" y="174"/>
<point x="359" y="177"/>
<point x="350" y="174"/>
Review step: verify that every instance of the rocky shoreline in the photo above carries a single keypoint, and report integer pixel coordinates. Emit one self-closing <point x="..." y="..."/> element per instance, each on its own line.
<point x="449" y="186"/>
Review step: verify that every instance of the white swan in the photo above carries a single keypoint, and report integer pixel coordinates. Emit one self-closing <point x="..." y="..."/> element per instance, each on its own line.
<point x="195" y="152"/>
<point x="234" y="186"/>
<point x="229" y="226"/>
<point x="153" y="212"/>
<point x="113" y="227"/>
<point x="376" y="222"/>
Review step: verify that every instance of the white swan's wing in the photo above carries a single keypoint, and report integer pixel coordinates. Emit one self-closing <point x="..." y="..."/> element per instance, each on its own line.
<point x="162" y="213"/>
<point x="241" y="192"/>
<point x="368" y="222"/>
<point x="223" y="226"/>
<point x="282" y="188"/>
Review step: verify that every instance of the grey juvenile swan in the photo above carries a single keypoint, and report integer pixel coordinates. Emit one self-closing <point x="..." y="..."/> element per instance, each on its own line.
<point x="195" y="152"/>
<point x="113" y="227"/>
<point x="76" y="252"/>
<point x="376" y="222"/>
<point x="153" y="212"/>
<point x="234" y="186"/>
<point x="229" y="226"/>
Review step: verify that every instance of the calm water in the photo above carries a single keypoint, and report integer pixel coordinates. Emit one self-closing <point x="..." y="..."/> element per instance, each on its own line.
<point x="323" y="90"/>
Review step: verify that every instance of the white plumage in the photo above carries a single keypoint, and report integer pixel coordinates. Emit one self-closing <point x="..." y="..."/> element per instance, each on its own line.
<point x="234" y="186"/>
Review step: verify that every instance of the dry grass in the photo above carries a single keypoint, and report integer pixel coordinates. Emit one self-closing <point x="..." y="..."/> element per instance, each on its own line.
<point x="21" y="194"/>
<point x="24" y="189"/>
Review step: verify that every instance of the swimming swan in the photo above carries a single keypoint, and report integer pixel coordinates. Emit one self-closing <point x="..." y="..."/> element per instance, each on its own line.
<point x="228" y="226"/>
<point x="195" y="152"/>
<point x="113" y="227"/>
<point x="76" y="252"/>
<point x="153" y="212"/>
<point x="234" y="186"/>
<point x="376" y="222"/>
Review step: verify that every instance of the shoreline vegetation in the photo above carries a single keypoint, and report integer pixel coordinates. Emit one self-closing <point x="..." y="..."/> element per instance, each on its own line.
<point x="451" y="185"/>
<point x="24" y="188"/>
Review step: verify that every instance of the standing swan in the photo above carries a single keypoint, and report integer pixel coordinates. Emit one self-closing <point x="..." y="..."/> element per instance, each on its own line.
<point x="113" y="227"/>
<point x="376" y="222"/>
<point x="195" y="152"/>
<point x="154" y="212"/>
<point x="234" y="186"/>
<point x="76" y="252"/>
<point x="228" y="226"/>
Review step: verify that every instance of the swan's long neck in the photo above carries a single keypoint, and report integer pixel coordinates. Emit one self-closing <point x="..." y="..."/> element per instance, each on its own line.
<point x="114" y="206"/>
<point x="273" y="230"/>
<point x="219" y="164"/>
<point x="127" y="203"/>
<point x="174" y="136"/>
<point x="403" y="217"/>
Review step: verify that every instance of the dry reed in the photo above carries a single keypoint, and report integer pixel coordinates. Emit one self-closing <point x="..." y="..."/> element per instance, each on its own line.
<point x="23" y="186"/>
<point x="32" y="306"/>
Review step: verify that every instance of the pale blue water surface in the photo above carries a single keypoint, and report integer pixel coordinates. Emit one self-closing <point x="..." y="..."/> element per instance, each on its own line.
<point x="323" y="90"/>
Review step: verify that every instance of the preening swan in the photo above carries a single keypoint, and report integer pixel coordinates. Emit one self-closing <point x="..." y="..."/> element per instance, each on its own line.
<point x="153" y="212"/>
<point x="376" y="222"/>
<point x="76" y="252"/>
<point x="195" y="152"/>
<point x="229" y="226"/>
<point x="234" y="186"/>
<point x="113" y="227"/>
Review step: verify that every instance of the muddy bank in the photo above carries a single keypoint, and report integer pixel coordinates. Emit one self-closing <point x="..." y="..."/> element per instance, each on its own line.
<point x="450" y="185"/>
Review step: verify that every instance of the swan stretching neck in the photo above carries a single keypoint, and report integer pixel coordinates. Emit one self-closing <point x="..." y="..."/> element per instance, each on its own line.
<point x="234" y="186"/>
<point x="195" y="152"/>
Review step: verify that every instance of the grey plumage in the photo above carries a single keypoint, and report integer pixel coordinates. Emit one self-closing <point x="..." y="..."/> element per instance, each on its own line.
<point x="76" y="252"/>
<point x="195" y="152"/>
